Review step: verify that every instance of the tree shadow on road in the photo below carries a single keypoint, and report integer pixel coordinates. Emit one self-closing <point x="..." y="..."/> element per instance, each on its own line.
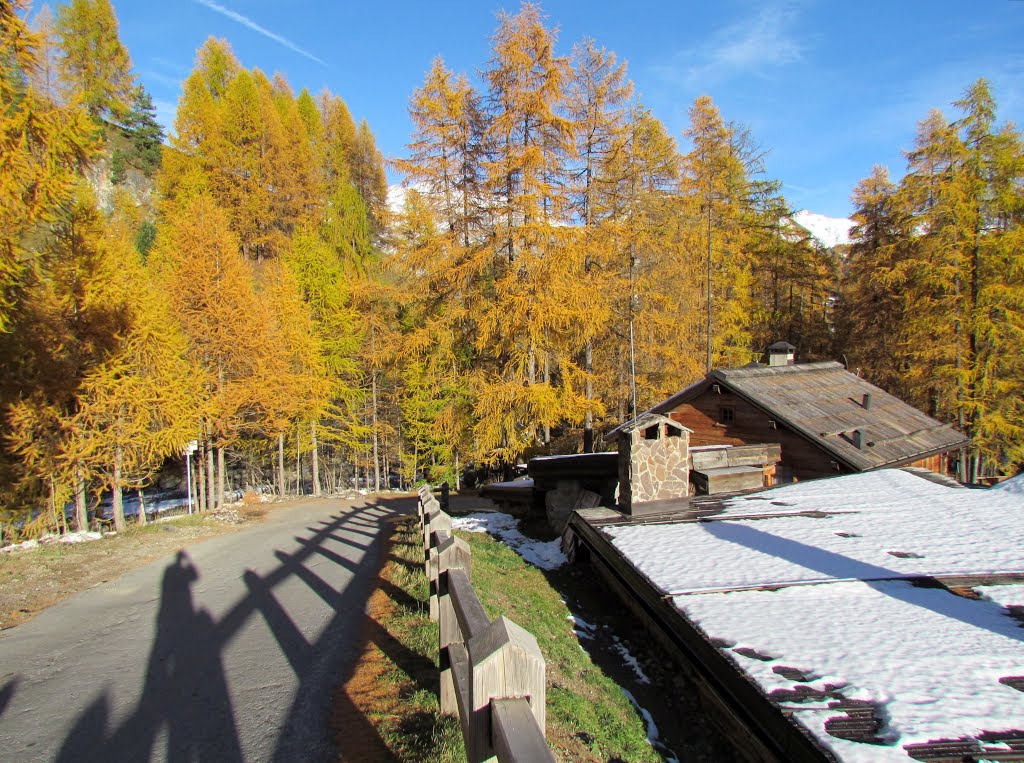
<point x="185" y="698"/>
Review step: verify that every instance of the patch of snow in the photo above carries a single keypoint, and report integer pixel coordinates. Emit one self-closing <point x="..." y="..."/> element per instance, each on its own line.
<point x="630" y="660"/>
<point x="582" y="628"/>
<point x="25" y="545"/>
<point x="78" y="537"/>
<point x="396" y="197"/>
<point x="653" y="735"/>
<point x="74" y="537"/>
<point x="1012" y="485"/>
<point x="579" y="622"/>
<point x="931" y="660"/>
<point x="546" y="555"/>
<point x="1003" y="595"/>
<point x="829" y="231"/>
<point x="950" y="531"/>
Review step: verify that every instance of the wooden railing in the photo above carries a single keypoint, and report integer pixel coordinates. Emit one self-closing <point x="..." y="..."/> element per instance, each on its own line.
<point x="492" y="671"/>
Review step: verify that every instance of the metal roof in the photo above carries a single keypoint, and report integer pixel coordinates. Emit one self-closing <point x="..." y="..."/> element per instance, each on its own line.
<point x="644" y="420"/>
<point x="825" y="403"/>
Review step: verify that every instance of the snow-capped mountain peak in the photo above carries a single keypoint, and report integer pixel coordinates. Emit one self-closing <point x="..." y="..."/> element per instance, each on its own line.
<point x="829" y="231"/>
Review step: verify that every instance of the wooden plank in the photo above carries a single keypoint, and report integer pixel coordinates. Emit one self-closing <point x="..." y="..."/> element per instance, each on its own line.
<point x="515" y="734"/>
<point x="468" y="609"/>
<point x="458" y="658"/>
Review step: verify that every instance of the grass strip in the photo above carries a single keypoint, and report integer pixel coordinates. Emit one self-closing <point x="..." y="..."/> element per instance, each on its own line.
<point x="395" y="686"/>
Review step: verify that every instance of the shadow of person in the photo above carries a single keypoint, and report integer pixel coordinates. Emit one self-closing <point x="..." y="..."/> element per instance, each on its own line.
<point x="185" y="687"/>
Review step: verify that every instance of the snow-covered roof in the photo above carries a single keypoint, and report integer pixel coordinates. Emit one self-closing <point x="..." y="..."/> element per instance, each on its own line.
<point x="833" y="590"/>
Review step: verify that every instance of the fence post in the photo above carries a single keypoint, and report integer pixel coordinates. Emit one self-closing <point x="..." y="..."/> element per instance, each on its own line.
<point x="452" y="554"/>
<point x="429" y="508"/>
<point x="445" y="496"/>
<point x="438" y="521"/>
<point x="505" y="662"/>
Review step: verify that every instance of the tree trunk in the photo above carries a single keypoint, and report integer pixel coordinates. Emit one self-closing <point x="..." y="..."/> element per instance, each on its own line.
<point x="81" y="513"/>
<point x="193" y="484"/>
<point x="142" y="508"/>
<point x="221" y="476"/>
<point x="588" y="421"/>
<point x="52" y="500"/>
<point x="547" y="381"/>
<point x="211" y="479"/>
<point x="118" y="501"/>
<point x="709" y="285"/>
<point x="316" y="462"/>
<point x="298" y="462"/>
<point x="376" y="462"/>
<point x="201" y="504"/>
<point x="280" y="465"/>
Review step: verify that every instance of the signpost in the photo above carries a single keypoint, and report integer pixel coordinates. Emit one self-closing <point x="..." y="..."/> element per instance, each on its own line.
<point x="191" y="448"/>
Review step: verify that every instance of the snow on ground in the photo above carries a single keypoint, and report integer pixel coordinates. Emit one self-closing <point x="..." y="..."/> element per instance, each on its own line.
<point x="653" y="735"/>
<point x="547" y="555"/>
<point x="75" y="537"/>
<point x="630" y="661"/>
<point x="581" y="628"/>
<point x="930" y="659"/>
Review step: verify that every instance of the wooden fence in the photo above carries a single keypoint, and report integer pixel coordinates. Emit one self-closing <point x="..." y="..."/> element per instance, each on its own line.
<point x="492" y="671"/>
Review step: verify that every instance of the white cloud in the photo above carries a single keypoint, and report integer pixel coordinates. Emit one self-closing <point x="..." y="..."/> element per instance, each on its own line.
<point x="751" y="46"/>
<point x="249" y="23"/>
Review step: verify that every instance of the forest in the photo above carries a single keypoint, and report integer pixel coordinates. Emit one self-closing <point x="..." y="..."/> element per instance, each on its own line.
<point x="558" y="261"/>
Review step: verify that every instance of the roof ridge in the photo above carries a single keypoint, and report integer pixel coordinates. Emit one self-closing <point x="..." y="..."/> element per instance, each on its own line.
<point x="821" y="365"/>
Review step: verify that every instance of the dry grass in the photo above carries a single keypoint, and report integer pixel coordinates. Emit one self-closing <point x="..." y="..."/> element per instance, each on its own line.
<point x="388" y="708"/>
<point x="31" y="581"/>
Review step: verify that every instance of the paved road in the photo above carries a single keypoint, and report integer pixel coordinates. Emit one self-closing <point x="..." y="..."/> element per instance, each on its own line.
<point x="229" y="651"/>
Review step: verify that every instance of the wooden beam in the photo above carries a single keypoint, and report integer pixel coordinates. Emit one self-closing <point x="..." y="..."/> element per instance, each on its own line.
<point x="468" y="610"/>
<point x="515" y="735"/>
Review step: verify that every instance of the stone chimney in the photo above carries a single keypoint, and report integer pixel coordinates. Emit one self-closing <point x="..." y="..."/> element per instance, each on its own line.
<point x="781" y="354"/>
<point x="654" y="461"/>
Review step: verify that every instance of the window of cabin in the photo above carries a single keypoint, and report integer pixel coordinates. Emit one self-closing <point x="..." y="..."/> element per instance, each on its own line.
<point x="673" y="432"/>
<point x="651" y="433"/>
<point x="726" y="414"/>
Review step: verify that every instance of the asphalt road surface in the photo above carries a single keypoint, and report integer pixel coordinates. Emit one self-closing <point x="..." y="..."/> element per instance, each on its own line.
<point x="229" y="651"/>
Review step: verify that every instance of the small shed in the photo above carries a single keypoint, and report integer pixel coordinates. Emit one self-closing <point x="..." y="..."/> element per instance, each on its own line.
<point x="654" y="460"/>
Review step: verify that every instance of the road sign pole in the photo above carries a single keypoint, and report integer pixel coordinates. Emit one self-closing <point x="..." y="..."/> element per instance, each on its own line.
<point x="188" y="478"/>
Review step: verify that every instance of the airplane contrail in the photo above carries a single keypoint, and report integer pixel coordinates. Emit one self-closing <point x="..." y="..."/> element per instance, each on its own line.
<point x="247" y="22"/>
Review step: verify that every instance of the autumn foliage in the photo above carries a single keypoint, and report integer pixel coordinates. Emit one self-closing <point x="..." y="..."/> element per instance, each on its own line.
<point x="559" y="261"/>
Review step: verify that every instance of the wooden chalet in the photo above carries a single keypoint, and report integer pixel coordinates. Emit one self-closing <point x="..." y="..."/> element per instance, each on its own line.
<point x="827" y="420"/>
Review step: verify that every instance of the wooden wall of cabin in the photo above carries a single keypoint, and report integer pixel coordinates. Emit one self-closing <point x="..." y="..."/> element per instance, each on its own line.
<point x="706" y="416"/>
<point x="938" y="464"/>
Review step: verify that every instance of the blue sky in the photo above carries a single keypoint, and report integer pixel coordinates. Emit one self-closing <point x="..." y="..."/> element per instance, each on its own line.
<point x="828" y="88"/>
